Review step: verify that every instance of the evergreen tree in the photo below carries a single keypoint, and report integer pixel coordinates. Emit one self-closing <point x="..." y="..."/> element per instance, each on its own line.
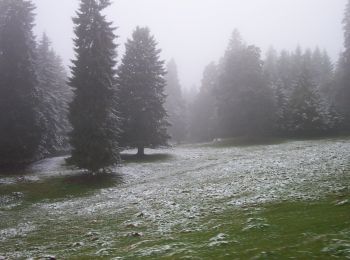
<point x="175" y="104"/>
<point x="190" y="94"/>
<point x="323" y="72"/>
<point x="244" y="99"/>
<point x="309" y="112"/>
<point x="54" y="98"/>
<point x="19" y="128"/>
<point x="270" y="67"/>
<point x="304" y="108"/>
<point x="285" y="74"/>
<point x="204" y="117"/>
<point x="281" y="108"/>
<point x="327" y="79"/>
<point x="343" y="72"/>
<point x="277" y="73"/>
<point x="142" y="85"/>
<point x="92" y="112"/>
<point x="301" y="106"/>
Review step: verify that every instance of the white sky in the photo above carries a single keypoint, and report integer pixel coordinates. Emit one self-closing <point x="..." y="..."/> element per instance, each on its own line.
<point x="196" y="32"/>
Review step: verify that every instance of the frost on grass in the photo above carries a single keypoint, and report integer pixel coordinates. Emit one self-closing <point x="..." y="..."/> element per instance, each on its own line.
<point x="219" y="240"/>
<point x="192" y="183"/>
<point x="173" y="195"/>
<point x="21" y="230"/>
<point x="338" y="248"/>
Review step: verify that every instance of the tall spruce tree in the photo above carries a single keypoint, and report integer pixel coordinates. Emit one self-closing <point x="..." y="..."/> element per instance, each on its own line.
<point x="281" y="109"/>
<point x="285" y="75"/>
<point x="92" y="112"/>
<point x="142" y="85"/>
<point x="270" y="67"/>
<point x="175" y="104"/>
<point x="244" y="98"/>
<point x="55" y="95"/>
<point x="323" y="72"/>
<point x="302" y="104"/>
<point x="19" y="128"/>
<point x="203" y="117"/>
<point x="309" y="113"/>
<point x="305" y="115"/>
<point x="343" y="72"/>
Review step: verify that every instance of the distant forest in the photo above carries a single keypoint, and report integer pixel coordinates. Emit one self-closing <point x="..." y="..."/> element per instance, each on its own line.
<point x="100" y="108"/>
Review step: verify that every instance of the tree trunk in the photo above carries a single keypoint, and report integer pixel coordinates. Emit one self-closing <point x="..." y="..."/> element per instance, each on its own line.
<point x="140" y="151"/>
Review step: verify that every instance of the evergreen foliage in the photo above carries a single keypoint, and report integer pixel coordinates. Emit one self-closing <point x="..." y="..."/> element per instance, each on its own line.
<point x="142" y="97"/>
<point x="175" y="104"/>
<point x="305" y="115"/>
<point x="94" y="138"/>
<point x="55" y="95"/>
<point x="304" y="104"/>
<point x="19" y="116"/>
<point x="244" y="98"/>
<point x="343" y="72"/>
<point x="270" y="67"/>
<point x="203" y="113"/>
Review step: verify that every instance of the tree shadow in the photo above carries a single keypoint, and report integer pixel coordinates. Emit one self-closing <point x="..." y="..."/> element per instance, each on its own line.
<point x="14" y="170"/>
<point x="147" y="158"/>
<point x="61" y="187"/>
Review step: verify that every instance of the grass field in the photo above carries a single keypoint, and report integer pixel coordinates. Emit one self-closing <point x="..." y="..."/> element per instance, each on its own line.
<point x="277" y="199"/>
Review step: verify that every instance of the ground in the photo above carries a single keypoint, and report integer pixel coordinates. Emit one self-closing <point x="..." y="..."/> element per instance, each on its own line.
<point x="229" y="200"/>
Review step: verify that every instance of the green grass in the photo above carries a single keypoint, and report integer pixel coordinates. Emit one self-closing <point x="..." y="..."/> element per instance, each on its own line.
<point x="300" y="230"/>
<point x="284" y="230"/>
<point x="291" y="229"/>
<point x="60" y="187"/>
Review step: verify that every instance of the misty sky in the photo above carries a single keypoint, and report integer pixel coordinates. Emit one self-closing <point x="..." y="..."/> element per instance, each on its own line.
<point x="196" y="32"/>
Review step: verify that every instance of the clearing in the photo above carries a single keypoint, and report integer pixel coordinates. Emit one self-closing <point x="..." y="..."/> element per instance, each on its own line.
<point x="268" y="201"/>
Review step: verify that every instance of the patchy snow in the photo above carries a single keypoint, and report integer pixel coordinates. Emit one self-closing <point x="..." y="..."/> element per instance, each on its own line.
<point x="20" y="230"/>
<point x="196" y="181"/>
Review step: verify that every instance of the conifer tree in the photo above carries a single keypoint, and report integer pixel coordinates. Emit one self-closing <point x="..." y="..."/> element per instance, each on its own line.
<point x="175" y="104"/>
<point x="327" y="81"/>
<point x="281" y="109"/>
<point x="270" y="67"/>
<point x="323" y="72"/>
<point x="244" y="98"/>
<point x="19" y="128"/>
<point x="285" y="74"/>
<point x="204" y="113"/>
<point x="343" y="72"/>
<point x="309" y="112"/>
<point x="142" y="85"/>
<point x="305" y="115"/>
<point x="92" y="111"/>
<point x="54" y="98"/>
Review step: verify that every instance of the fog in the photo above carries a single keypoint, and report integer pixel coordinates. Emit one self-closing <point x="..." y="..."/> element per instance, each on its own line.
<point x="196" y="32"/>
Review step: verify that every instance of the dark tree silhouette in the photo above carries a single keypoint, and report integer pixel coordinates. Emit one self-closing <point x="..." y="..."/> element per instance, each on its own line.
<point x="92" y="113"/>
<point x="55" y="96"/>
<point x="244" y="99"/>
<point x="142" y="84"/>
<point x="175" y="104"/>
<point x="19" y="128"/>
<point x="343" y="95"/>
<point x="203" y="117"/>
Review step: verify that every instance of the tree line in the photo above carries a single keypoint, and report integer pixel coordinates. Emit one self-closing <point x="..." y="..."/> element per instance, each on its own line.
<point x="299" y="93"/>
<point x="102" y="107"/>
<point x="33" y="90"/>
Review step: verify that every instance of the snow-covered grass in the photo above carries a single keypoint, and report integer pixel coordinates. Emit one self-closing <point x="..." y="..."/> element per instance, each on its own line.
<point x="275" y="199"/>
